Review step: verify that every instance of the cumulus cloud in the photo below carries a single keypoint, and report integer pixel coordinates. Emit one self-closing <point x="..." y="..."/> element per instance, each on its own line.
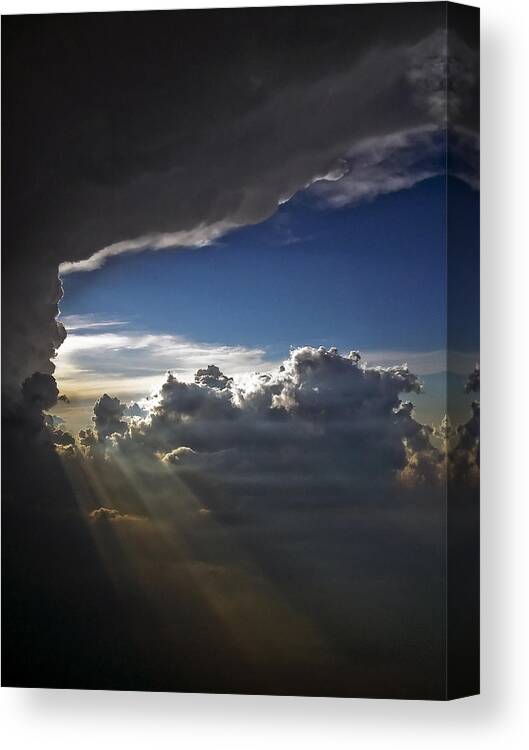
<point x="60" y="437"/>
<point x="88" y="440"/>
<point x="53" y="420"/>
<point x="464" y="441"/>
<point x="319" y="420"/>
<point x="320" y="417"/>
<point x="461" y="442"/>
<point x="212" y="377"/>
<point x="178" y="455"/>
<point x="464" y="450"/>
<point x="425" y="465"/>
<point x="133" y="409"/>
<point x="461" y="445"/>
<point x="40" y="391"/>
<point x="108" y="417"/>
<point x="66" y="451"/>
<point x="112" y="515"/>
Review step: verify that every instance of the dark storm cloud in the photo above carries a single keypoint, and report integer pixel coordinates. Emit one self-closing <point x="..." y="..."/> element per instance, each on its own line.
<point x="472" y="384"/>
<point x="169" y="128"/>
<point x="464" y="441"/>
<point x="40" y="391"/>
<point x="60" y="437"/>
<point x="464" y="459"/>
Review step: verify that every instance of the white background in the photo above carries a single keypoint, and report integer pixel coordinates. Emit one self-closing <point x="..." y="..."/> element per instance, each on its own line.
<point x="500" y="716"/>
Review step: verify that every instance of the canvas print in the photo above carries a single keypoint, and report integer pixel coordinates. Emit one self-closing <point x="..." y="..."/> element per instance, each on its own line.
<point x="240" y="351"/>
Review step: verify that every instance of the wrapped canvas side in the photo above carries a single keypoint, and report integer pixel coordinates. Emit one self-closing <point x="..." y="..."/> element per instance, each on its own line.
<point x="462" y="385"/>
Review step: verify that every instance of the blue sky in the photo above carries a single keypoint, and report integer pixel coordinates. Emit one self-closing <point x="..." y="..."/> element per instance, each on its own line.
<point x="368" y="276"/>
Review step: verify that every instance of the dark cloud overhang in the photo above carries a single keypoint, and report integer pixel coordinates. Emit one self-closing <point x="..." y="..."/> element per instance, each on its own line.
<point x="93" y="102"/>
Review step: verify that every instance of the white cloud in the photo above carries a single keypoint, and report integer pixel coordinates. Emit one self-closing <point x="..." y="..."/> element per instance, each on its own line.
<point x="398" y="161"/>
<point x="89" y="320"/>
<point x="200" y="236"/>
<point x="131" y="363"/>
<point x="385" y="164"/>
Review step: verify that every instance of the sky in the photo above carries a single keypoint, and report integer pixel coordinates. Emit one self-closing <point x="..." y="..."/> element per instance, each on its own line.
<point x="238" y="246"/>
<point x="368" y="276"/>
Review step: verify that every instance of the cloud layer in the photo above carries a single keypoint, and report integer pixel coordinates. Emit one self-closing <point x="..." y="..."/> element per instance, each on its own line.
<point x="239" y="523"/>
<point x="285" y="498"/>
<point x="319" y="419"/>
